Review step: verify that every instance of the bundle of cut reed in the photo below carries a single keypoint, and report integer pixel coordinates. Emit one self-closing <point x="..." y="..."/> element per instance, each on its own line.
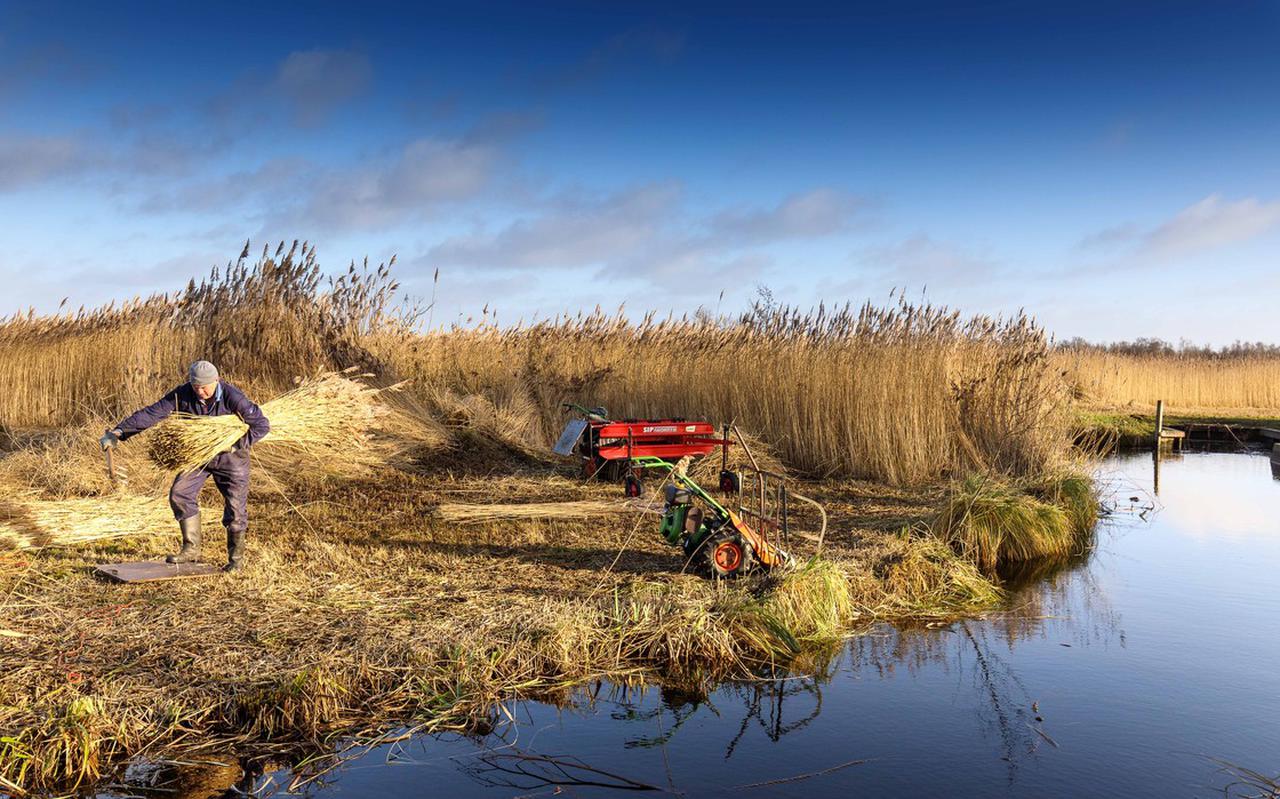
<point x="328" y="418"/>
<point x="32" y="523"/>
<point x="463" y="513"/>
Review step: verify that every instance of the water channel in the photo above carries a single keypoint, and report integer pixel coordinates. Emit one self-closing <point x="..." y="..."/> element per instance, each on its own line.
<point x="1131" y="673"/>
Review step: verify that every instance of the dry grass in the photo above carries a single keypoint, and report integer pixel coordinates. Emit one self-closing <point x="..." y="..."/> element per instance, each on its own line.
<point x="29" y="522"/>
<point x="919" y="571"/>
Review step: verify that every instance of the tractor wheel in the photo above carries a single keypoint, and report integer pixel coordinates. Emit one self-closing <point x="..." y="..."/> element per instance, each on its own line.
<point x="631" y="485"/>
<point x="730" y="482"/>
<point x="727" y="555"/>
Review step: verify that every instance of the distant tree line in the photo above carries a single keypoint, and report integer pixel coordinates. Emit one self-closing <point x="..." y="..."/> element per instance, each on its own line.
<point x="1156" y="347"/>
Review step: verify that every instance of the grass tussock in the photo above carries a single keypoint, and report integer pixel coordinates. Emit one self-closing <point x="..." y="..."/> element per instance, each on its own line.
<point x="991" y="521"/>
<point x="1075" y="493"/>
<point x="919" y="575"/>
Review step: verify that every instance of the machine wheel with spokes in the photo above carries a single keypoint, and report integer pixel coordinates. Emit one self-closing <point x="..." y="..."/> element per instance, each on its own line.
<point x="728" y="555"/>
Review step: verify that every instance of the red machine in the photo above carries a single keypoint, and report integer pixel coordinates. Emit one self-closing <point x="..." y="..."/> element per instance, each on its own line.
<point x="608" y="447"/>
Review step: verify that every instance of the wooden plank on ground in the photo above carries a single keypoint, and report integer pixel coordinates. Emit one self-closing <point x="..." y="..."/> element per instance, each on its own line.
<point x="152" y="570"/>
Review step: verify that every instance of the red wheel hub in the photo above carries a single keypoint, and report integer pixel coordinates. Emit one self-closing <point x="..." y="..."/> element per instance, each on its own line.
<point x="727" y="556"/>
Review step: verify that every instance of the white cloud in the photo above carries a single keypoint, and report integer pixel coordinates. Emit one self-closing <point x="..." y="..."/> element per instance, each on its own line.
<point x="25" y="160"/>
<point x="645" y="232"/>
<point x="315" y="82"/>
<point x="375" y="195"/>
<point x="1110" y="237"/>
<point x="921" y="260"/>
<point x="273" y="178"/>
<point x="818" y="212"/>
<point x="1213" y="223"/>
<point x="1208" y="224"/>
<point x="574" y="231"/>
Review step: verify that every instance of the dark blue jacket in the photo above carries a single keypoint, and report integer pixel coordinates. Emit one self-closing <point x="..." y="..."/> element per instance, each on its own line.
<point x="226" y="399"/>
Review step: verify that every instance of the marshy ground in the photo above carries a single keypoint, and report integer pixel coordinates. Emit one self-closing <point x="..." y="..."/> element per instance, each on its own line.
<point x="362" y="606"/>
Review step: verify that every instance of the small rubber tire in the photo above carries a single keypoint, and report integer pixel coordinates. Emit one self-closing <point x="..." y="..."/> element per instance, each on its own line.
<point x="730" y="482"/>
<point x="631" y="486"/>
<point x="728" y="555"/>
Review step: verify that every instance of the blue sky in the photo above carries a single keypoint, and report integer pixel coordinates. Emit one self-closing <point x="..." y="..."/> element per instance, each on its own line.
<point x="1113" y="168"/>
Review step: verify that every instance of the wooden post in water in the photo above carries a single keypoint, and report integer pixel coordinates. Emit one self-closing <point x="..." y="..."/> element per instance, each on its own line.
<point x="1159" y="422"/>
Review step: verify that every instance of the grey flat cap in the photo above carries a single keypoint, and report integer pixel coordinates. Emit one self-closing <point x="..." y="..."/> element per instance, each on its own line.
<point x="202" y="373"/>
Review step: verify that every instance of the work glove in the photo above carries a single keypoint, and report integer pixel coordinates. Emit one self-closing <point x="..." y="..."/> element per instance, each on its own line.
<point x="109" y="439"/>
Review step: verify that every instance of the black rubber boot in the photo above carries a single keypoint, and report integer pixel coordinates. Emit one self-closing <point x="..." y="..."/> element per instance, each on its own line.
<point x="235" y="549"/>
<point x="190" y="551"/>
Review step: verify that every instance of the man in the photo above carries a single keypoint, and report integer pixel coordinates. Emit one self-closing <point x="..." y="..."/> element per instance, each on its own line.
<point x="205" y="395"/>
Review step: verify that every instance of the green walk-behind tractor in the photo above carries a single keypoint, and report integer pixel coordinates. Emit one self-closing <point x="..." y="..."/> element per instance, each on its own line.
<point x="711" y="535"/>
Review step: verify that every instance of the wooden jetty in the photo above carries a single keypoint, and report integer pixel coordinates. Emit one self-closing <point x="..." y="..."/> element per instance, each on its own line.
<point x="1172" y="438"/>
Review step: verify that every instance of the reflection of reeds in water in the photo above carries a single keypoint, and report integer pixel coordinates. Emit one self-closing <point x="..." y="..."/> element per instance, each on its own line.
<point x="1245" y="783"/>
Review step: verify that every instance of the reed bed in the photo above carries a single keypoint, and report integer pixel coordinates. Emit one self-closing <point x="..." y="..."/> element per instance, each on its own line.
<point x="434" y="609"/>
<point x="262" y="322"/>
<point x="901" y="394"/>
<point x="904" y="393"/>
<point x="1234" y="384"/>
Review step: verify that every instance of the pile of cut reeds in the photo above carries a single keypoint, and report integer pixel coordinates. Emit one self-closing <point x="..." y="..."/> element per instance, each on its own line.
<point x="462" y="513"/>
<point x="327" y="419"/>
<point x="66" y="522"/>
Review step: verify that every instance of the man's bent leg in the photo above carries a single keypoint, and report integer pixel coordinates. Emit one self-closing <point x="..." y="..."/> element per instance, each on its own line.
<point x="231" y="476"/>
<point x="184" y="500"/>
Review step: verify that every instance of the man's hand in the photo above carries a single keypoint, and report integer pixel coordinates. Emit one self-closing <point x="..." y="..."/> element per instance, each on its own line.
<point x="109" y="439"/>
